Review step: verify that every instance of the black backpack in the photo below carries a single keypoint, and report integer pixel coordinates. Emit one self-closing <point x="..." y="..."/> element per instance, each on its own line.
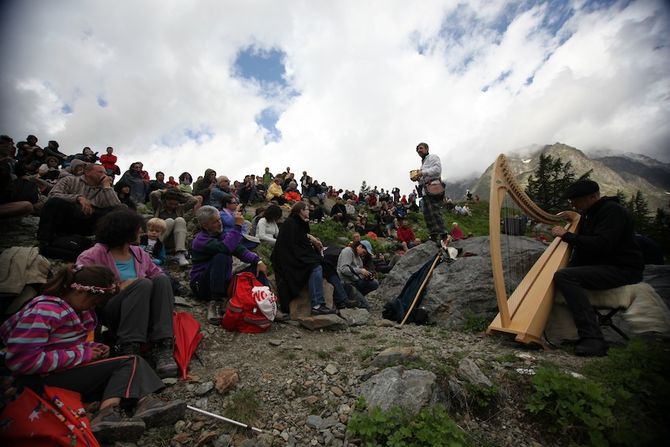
<point x="67" y="248"/>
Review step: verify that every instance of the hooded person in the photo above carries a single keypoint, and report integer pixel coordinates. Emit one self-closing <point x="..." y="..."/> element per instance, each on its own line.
<point x="138" y="187"/>
<point x="203" y="186"/>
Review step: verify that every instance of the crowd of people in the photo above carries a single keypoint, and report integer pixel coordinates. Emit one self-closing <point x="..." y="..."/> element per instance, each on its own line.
<point x="120" y="229"/>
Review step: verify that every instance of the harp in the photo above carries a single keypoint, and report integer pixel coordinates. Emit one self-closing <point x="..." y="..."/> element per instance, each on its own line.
<point x="525" y="312"/>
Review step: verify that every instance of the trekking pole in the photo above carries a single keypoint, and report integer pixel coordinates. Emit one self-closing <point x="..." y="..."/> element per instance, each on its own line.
<point x="234" y="422"/>
<point x="423" y="285"/>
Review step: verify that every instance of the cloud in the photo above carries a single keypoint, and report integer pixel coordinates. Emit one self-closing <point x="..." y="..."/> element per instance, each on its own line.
<point x="348" y="88"/>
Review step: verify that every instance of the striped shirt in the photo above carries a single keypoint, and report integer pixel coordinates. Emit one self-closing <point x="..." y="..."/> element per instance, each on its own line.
<point x="47" y="335"/>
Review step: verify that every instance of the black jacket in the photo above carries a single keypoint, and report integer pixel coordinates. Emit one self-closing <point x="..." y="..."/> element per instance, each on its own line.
<point x="605" y="237"/>
<point x="293" y="257"/>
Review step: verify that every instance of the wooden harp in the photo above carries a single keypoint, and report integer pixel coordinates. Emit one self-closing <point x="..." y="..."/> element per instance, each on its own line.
<point x="525" y="313"/>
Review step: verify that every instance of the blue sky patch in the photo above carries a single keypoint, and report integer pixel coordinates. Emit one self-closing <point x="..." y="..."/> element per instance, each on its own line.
<point x="267" y="119"/>
<point x="102" y="102"/>
<point x="66" y="109"/>
<point x="264" y="66"/>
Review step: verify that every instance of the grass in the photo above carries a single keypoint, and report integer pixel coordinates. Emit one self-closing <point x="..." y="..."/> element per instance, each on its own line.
<point x="243" y="405"/>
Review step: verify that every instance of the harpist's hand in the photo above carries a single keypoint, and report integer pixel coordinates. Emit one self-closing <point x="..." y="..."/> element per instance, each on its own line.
<point x="558" y="231"/>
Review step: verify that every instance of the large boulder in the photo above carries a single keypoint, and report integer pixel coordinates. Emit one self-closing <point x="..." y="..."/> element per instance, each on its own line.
<point x="465" y="286"/>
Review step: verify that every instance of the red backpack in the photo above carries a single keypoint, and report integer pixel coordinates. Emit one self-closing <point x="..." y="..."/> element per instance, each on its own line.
<point x="252" y="306"/>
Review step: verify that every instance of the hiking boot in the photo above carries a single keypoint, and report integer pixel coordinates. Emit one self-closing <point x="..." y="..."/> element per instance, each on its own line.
<point x="163" y="354"/>
<point x="323" y="310"/>
<point x="157" y="413"/>
<point x="591" y="347"/>
<point x="132" y="348"/>
<point x="214" y="312"/>
<point x="109" y="426"/>
<point x="181" y="259"/>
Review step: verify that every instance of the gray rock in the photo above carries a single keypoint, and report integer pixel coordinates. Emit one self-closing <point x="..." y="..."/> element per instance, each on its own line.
<point x="331" y="322"/>
<point x="394" y="356"/>
<point x="204" y="388"/>
<point x="314" y="421"/>
<point x="464" y="286"/>
<point x="355" y="317"/>
<point x="469" y="371"/>
<point x="409" y="389"/>
<point x="331" y="369"/>
<point x="224" y="440"/>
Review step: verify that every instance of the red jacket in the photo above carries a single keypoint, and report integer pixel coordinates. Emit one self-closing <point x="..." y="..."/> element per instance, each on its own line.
<point x="405" y="234"/>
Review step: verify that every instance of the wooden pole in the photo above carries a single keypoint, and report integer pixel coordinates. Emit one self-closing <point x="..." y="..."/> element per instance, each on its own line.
<point x="423" y="286"/>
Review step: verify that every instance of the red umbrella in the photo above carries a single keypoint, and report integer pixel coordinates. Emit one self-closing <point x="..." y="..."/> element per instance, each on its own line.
<point x="187" y="337"/>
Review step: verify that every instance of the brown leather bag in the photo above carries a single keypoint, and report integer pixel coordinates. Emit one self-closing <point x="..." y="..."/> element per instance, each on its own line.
<point x="435" y="188"/>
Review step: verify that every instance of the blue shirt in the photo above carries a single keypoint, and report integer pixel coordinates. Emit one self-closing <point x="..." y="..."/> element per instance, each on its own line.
<point x="126" y="269"/>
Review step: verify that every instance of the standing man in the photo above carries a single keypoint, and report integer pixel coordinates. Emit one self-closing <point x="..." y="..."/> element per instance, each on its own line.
<point x="604" y="256"/>
<point x="431" y="170"/>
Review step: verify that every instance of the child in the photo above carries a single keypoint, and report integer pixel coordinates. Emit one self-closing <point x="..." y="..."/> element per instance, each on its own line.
<point x="151" y="241"/>
<point x="47" y="344"/>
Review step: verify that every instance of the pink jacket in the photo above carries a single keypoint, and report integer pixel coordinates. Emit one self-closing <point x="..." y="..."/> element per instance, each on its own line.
<point x="99" y="255"/>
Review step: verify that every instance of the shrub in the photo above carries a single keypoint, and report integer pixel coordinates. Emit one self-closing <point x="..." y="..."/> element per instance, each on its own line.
<point x="578" y="408"/>
<point x="432" y="427"/>
<point x="475" y="323"/>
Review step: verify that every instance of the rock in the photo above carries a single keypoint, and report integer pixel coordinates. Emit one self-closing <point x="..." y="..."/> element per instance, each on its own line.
<point x="202" y="403"/>
<point x="275" y="342"/>
<point x="410" y="389"/>
<point x="311" y="400"/>
<point x="331" y="369"/>
<point x="328" y="422"/>
<point x="170" y="380"/>
<point x="395" y="355"/>
<point x="197" y="426"/>
<point x="469" y="371"/>
<point x="182" y="438"/>
<point x="226" y="379"/>
<point x="331" y="322"/>
<point x="314" y="421"/>
<point x="355" y="317"/>
<point x="180" y="426"/>
<point x="224" y="440"/>
<point x="206" y="436"/>
<point x="464" y="287"/>
<point x="336" y="390"/>
<point x="204" y="388"/>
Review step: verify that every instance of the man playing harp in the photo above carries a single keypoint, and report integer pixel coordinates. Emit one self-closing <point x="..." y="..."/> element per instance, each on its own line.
<point x="604" y="256"/>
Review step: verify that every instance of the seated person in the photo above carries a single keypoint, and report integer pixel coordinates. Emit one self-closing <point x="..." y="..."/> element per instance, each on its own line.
<point x="351" y="270"/>
<point x="172" y="206"/>
<point x="275" y="192"/>
<point x="47" y="344"/>
<point x="339" y="212"/>
<point x="203" y="187"/>
<point x="315" y="213"/>
<point x="11" y="201"/>
<point x="108" y="160"/>
<point x="151" y="240"/>
<point x="185" y="181"/>
<point x="141" y="312"/>
<point x="220" y="191"/>
<point x="267" y="229"/>
<point x="76" y="203"/>
<point x="122" y="190"/>
<point x="291" y="194"/>
<point x="172" y="183"/>
<point x="87" y="155"/>
<point x="212" y="253"/>
<point x="158" y="183"/>
<point x="456" y="232"/>
<point x="406" y="236"/>
<point x="138" y="187"/>
<point x="296" y="259"/>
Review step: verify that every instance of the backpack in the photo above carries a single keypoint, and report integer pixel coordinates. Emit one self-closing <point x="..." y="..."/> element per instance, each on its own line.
<point x="67" y="248"/>
<point x="252" y="306"/>
<point x="396" y="308"/>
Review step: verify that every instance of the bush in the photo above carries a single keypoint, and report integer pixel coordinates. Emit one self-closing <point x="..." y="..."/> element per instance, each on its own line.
<point x="432" y="427"/>
<point x="329" y="232"/>
<point x="578" y="408"/>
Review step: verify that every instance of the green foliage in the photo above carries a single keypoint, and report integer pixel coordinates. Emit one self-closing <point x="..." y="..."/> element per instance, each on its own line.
<point x="475" y="323"/>
<point x="265" y="251"/>
<point x="548" y="182"/>
<point x="578" y="408"/>
<point x="329" y="232"/>
<point x="432" y="427"/>
<point x="660" y="231"/>
<point x="482" y="398"/>
<point x="639" y="209"/>
<point x="243" y="405"/>
<point x="636" y="377"/>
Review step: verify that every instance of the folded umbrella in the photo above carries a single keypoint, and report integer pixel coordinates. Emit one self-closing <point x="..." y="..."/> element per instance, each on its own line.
<point x="187" y="337"/>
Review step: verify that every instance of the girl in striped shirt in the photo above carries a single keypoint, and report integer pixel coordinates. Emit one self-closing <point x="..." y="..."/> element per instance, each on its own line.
<point x="47" y="342"/>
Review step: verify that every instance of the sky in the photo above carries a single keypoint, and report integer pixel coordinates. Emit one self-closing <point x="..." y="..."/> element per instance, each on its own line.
<point x="344" y="89"/>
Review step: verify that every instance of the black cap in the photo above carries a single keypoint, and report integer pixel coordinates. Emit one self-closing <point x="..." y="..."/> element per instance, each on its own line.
<point x="581" y="188"/>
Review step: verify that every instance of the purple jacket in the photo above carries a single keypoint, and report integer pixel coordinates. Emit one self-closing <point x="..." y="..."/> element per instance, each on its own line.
<point x="99" y="255"/>
<point x="205" y="246"/>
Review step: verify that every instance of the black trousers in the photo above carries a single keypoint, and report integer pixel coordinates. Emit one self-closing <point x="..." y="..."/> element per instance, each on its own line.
<point x="60" y="217"/>
<point x="573" y="283"/>
<point x="127" y="377"/>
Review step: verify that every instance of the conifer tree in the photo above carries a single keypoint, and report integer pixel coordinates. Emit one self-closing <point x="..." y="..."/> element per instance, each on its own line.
<point x="549" y="181"/>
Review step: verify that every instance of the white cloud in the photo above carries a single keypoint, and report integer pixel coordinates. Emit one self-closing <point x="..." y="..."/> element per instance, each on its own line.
<point x="367" y="96"/>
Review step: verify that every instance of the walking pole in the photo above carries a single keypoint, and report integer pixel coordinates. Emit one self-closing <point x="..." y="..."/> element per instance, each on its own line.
<point x="423" y="285"/>
<point x="216" y="416"/>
